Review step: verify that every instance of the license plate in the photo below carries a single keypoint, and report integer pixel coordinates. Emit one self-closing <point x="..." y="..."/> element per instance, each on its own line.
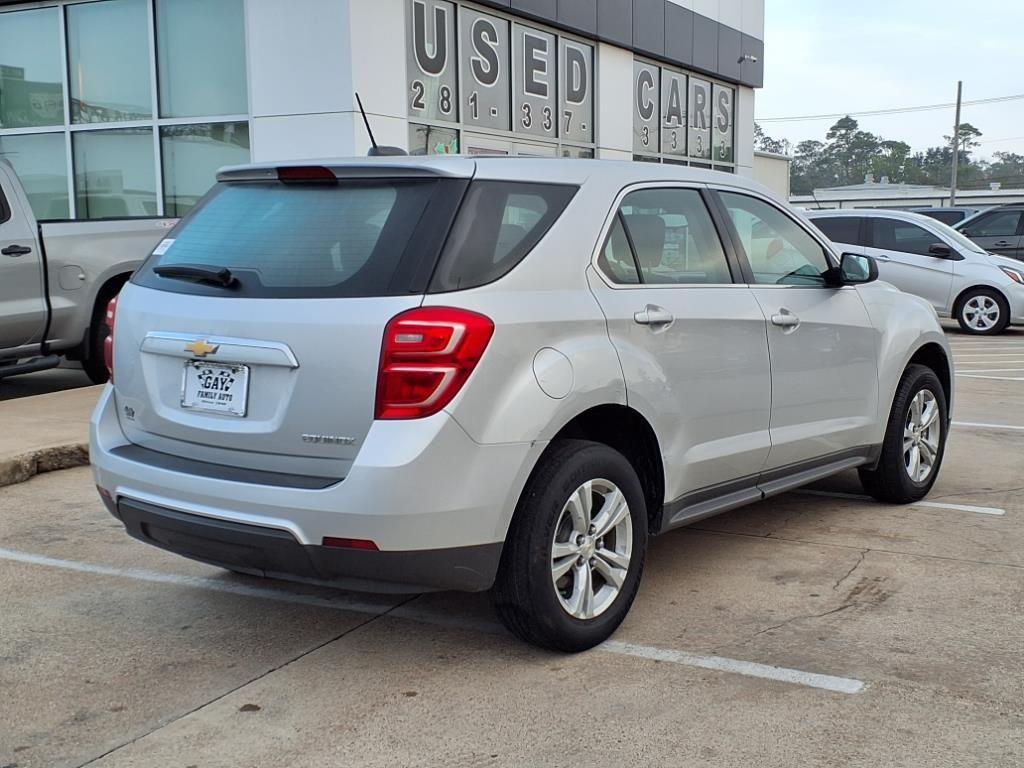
<point x="215" y="387"/>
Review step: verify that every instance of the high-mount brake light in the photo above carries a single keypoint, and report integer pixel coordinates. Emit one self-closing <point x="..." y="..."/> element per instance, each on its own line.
<point x="426" y="356"/>
<point x="305" y="174"/>
<point x="108" y="342"/>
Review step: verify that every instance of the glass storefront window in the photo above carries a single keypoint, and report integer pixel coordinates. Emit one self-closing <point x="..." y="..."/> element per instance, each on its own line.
<point x="191" y="156"/>
<point x="115" y="173"/>
<point x="577" y="152"/>
<point x="109" y="61"/>
<point x="200" y="48"/>
<point x="31" y="84"/>
<point x="41" y="165"/>
<point x="431" y="140"/>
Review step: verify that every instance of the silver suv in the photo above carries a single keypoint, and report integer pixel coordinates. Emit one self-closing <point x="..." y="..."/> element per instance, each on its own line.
<point x="427" y="374"/>
<point x="919" y="255"/>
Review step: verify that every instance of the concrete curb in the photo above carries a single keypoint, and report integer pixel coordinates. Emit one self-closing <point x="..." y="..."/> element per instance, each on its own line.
<point x="20" y="468"/>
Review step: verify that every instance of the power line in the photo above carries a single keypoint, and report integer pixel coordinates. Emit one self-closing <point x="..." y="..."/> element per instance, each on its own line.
<point x="891" y="111"/>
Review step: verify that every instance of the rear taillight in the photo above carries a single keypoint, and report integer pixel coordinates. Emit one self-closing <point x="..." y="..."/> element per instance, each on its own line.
<point x="427" y="355"/>
<point x="108" y="342"/>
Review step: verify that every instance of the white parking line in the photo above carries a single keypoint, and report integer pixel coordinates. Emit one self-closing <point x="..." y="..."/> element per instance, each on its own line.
<point x="991" y="370"/>
<point x="933" y="504"/>
<point x="748" y="668"/>
<point x="981" y="425"/>
<point x="993" y="378"/>
<point x="719" y="663"/>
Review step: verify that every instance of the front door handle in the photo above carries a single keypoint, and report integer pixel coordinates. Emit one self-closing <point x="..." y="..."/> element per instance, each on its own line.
<point x="785" y="319"/>
<point x="1001" y="244"/>
<point x="16" y="250"/>
<point x="882" y="257"/>
<point x="652" y="314"/>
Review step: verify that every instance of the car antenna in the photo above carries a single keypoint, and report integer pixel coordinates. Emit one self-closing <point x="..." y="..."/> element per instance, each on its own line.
<point x="816" y="201"/>
<point x="375" y="149"/>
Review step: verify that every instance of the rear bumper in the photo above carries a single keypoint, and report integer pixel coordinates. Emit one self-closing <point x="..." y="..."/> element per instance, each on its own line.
<point x="276" y="554"/>
<point x="436" y="504"/>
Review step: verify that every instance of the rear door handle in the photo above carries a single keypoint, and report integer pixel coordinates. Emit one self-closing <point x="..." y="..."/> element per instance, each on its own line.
<point x="882" y="258"/>
<point x="652" y="314"/>
<point x="16" y="250"/>
<point x="785" y="319"/>
<point x="1001" y="244"/>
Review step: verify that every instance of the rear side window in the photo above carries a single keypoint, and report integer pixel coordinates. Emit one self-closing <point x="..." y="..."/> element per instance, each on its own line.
<point x="315" y="240"/>
<point x="674" y="238"/>
<point x="840" y="229"/>
<point x="498" y="223"/>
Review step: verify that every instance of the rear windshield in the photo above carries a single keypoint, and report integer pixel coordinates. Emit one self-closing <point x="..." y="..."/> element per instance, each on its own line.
<point x="356" y="238"/>
<point x="316" y="240"/>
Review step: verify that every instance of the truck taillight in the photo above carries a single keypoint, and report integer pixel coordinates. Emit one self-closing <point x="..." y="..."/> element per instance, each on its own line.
<point x="108" y="342"/>
<point x="427" y="355"/>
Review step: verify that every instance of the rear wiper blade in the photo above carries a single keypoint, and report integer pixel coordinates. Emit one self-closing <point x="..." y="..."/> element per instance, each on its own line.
<point x="196" y="272"/>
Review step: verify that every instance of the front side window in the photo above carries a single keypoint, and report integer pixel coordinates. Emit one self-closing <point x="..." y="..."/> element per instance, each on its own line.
<point x="780" y="251"/>
<point x="674" y="238"/>
<point x="902" y="236"/>
<point x="1002" y="224"/>
<point x="840" y="229"/>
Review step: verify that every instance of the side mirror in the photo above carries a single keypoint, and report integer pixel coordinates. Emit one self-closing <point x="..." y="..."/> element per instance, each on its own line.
<point x="941" y="250"/>
<point x="856" y="268"/>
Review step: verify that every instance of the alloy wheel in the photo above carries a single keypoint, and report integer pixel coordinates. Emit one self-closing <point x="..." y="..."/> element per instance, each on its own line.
<point x="921" y="436"/>
<point x="591" y="549"/>
<point x="981" y="313"/>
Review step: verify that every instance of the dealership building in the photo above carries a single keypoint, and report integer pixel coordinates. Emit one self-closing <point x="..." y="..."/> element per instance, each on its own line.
<point x="127" y="107"/>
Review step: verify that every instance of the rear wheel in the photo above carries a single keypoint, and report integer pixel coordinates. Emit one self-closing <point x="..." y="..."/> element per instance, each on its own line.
<point x="575" y="551"/>
<point x="915" y="440"/>
<point x="983" y="312"/>
<point x="92" y="356"/>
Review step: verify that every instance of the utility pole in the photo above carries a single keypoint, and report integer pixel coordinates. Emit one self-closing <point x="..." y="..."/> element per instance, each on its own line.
<point x="956" y="143"/>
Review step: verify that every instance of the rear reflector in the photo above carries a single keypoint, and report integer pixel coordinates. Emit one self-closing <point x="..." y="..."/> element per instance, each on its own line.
<point x="334" y="541"/>
<point x="306" y="173"/>
<point x="426" y="356"/>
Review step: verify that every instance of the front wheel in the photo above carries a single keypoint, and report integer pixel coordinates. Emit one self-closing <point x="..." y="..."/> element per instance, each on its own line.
<point x="575" y="551"/>
<point x="983" y="312"/>
<point x="915" y="440"/>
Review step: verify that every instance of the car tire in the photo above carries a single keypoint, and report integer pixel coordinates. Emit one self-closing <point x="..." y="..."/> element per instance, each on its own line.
<point x="983" y="312"/>
<point x="895" y="479"/>
<point x="92" y="358"/>
<point x="560" y="612"/>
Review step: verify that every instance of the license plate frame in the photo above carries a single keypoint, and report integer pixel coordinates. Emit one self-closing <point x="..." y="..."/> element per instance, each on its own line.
<point x="236" y="406"/>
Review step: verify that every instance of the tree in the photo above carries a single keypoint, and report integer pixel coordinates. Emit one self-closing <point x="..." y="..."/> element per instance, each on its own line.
<point x="966" y="138"/>
<point x="765" y="143"/>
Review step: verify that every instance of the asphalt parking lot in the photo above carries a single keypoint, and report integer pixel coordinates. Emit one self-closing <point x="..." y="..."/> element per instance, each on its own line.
<point x="817" y="628"/>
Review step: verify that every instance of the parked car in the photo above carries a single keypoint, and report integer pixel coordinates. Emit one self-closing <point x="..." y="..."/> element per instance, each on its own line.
<point x="919" y="255"/>
<point x="999" y="230"/>
<point x="56" y="279"/>
<point x="409" y="374"/>
<point x="948" y="214"/>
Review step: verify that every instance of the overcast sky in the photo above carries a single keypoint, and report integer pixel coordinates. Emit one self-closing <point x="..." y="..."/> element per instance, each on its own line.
<point x="830" y="56"/>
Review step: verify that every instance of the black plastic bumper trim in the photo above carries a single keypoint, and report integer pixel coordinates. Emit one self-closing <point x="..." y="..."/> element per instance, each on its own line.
<point x="275" y="553"/>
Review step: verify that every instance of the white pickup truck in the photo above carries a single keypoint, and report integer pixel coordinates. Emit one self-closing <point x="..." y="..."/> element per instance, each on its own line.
<point x="56" y="279"/>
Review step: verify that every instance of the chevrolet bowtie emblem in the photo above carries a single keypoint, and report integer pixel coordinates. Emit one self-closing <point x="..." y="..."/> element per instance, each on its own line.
<point x="201" y="348"/>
